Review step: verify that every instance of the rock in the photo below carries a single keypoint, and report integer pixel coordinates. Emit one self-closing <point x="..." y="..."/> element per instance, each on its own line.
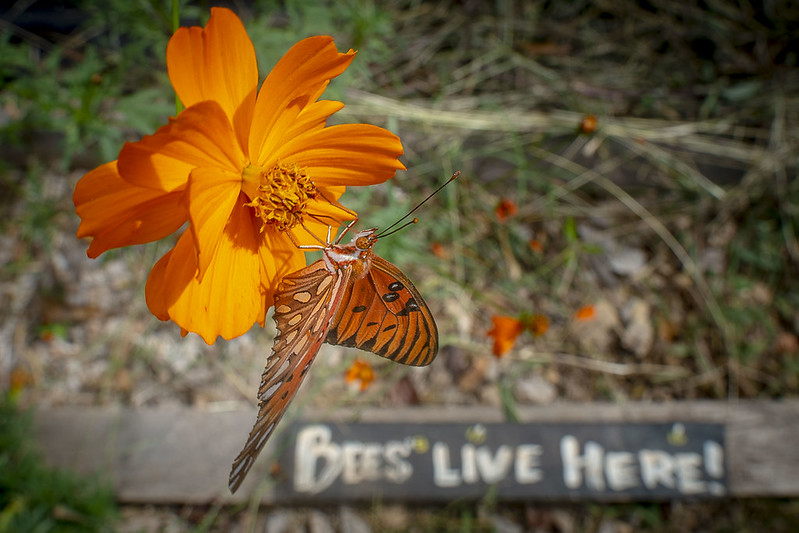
<point x="639" y="333"/>
<point x="351" y="522"/>
<point x="500" y="524"/>
<point x="599" y="333"/>
<point x="622" y="260"/>
<point x="455" y="361"/>
<point x="395" y="517"/>
<point x="535" y="389"/>
<point x="489" y="395"/>
<point x="626" y="261"/>
<point x="403" y="392"/>
<point x="475" y="376"/>
<point x="279" y="521"/>
<point x="319" y="522"/>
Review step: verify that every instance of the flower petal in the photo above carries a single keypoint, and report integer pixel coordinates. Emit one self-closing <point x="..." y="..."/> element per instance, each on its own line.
<point x="313" y="117"/>
<point x="201" y="136"/>
<point x="506" y="330"/>
<point x="212" y="195"/>
<point x="157" y="292"/>
<point x="294" y="83"/>
<point x="348" y="154"/>
<point x="322" y="213"/>
<point x="228" y="300"/>
<point x="279" y="256"/>
<point x="216" y="63"/>
<point x="116" y="213"/>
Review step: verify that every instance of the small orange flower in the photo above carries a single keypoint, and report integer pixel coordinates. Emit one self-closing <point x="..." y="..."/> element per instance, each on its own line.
<point x="360" y="372"/>
<point x="536" y="246"/>
<point x="505" y="209"/>
<point x="585" y="313"/>
<point x="506" y="330"/>
<point x="537" y="324"/>
<point x="249" y="172"/>
<point x="19" y="378"/>
<point x="439" y="250"/>
<point x="588" y="124"/>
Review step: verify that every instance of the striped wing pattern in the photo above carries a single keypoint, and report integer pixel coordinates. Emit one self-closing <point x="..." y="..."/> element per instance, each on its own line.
<point x="305" y="302"/>
<point x="383" y="313"/>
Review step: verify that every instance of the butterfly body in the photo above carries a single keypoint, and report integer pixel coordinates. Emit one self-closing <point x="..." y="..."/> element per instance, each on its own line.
<point x="350" y="297"/>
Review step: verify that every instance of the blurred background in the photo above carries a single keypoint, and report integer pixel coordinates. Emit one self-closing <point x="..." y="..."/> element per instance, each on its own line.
<point x="628" y="173"/>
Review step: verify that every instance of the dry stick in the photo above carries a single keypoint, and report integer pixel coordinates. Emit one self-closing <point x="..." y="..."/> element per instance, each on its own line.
<point x="608" y="367"/>
<point x="701" y="137"/>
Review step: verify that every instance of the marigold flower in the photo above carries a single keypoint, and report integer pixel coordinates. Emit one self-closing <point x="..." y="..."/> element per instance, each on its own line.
<point x="505" y="209"/>
<point x="585" y="313"/>
<point x="360" y="372"/>
<point x="506" y="330"/>
<point x="247" y="169"/>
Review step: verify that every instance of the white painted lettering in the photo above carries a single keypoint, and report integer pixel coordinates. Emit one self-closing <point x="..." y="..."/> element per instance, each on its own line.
<point x="494" y="467"/>
<point x="621" y="471"/>
<point x="443" y="474"/>
<point x="657" y="467"/>
<point x="469" y="464"/>
<point x="314" y="444"/>
<point x="574" y="463"/>
<point x="689" y="473"/>
<point x="398" y="470"/>
<point x="361" y="462"/>
<point x="526" y="468"/>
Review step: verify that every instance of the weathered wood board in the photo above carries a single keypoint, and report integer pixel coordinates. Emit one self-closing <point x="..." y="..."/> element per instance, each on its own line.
<point x="184" y="455"/>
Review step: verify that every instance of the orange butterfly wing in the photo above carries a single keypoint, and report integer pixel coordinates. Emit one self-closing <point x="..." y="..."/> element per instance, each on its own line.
<point x="304" y="305"/>
<point x="383" y="313"/>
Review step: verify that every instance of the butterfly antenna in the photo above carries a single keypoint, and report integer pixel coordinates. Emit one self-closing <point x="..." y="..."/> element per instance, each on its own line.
<point x="420" y="204"/>
<point x="395" y="230"/>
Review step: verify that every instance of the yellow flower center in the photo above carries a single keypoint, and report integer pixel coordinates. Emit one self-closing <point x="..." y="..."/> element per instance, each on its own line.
<point x="281" y="195"/>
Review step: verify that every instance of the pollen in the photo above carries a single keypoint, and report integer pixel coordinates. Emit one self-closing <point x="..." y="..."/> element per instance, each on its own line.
<point x="281" y="196"/>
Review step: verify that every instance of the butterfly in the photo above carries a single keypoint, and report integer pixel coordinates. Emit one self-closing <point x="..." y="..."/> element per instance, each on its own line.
<point x="350" y="297"/>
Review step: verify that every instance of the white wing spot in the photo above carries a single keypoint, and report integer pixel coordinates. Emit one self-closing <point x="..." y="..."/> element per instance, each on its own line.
<point x="268" y="393"/>
<point x="283" y="367"/>
<point x="302" y="297"/>
<point x="323" y="284"/>
<point x="265" y="436"/>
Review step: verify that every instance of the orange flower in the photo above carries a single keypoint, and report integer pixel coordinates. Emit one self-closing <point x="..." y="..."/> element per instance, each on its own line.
<point x="585" y="313"/>
<point x="537" y="324"/>
<point x="506" y="330"/>
<point x="505" y="209"/>
<point x="536" y="246"/>
<point x="248" y="170"/>
<point x="588" y="124"/>
<point x="361" y="372"/>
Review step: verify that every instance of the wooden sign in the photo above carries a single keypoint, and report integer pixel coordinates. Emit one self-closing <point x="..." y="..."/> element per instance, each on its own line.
<point x="447" y="461"/>
<point x="588" y="452"/>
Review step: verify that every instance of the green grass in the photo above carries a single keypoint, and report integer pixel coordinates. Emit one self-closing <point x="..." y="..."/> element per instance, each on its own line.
<point x="34" y="497"/>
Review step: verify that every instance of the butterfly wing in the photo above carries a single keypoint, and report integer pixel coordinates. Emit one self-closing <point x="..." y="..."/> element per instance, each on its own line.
<point x="304" y="305"/>
<point x="383" y="313"/>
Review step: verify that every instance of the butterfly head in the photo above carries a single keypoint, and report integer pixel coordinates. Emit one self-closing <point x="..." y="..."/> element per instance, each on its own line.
<point x="364" y="240"/>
